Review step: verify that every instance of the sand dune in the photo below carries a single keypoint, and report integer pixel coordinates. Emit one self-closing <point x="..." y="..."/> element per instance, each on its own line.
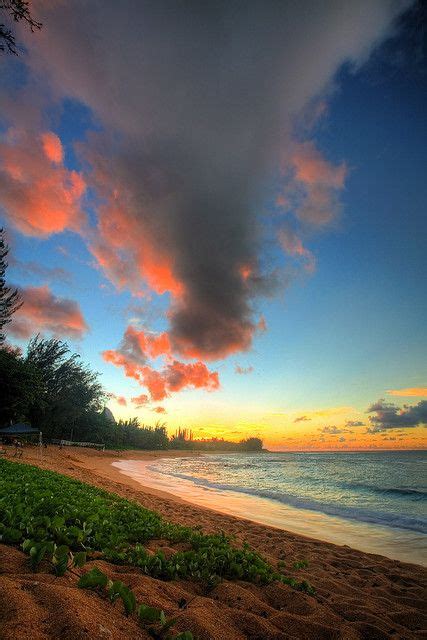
<point x="358" y="595"/>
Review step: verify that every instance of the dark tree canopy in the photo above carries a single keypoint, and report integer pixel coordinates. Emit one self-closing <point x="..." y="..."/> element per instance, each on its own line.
<point x="16" y="11"/>
<point x="20" y="386"/>
<point x="251" y="444"/>
<point x="68" y="388"/>
<point x="10" y="299"/>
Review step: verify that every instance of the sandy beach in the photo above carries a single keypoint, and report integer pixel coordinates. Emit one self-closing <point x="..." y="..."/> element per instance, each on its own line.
<point x="358" y="595"/>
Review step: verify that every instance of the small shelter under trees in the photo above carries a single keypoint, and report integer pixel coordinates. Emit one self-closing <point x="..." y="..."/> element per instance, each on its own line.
<point x="18" y="429"/>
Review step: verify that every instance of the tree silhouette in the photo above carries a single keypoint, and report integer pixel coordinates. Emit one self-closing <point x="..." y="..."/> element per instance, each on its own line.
<point x="18" y="11"/>
<point x="10" y="299"/>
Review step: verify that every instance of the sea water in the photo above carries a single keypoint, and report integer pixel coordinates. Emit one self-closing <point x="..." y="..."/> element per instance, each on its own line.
<point x="373" y="501"/>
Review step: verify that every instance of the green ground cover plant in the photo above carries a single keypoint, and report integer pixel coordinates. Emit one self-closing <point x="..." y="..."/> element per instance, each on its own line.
<point x="152" y="619"/>
<point x="57" y="518"/>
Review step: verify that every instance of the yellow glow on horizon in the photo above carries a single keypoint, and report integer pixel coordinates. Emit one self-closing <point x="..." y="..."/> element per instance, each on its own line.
<point x="328" y="428"/>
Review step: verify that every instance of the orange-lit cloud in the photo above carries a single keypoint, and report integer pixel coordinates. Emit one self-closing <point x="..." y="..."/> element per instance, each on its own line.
<point x="159" y="410"/>
<point x="313" y="188"/>
<point x="140" y="400"/>
<point x="132" y="370"/>
<point x="196" y="374"/>
<point x="52" y="147"/>
<point x="311" y="168"/>
<point x="409" y="391"/>
<point x="121" y="400"/>
<point x="155" y="382"/>
<point x="141" y="343"/>
<point x="39" y="195"/>
<point x="245" y="271"/>
<point x="173" y="377"/>
<point x="128" y="247"/>
<point x="44" y="312"/>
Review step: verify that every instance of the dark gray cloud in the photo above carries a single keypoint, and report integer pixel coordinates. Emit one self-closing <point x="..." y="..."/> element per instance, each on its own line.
<point x="198" y="100"/>
<point x="302" y="419"/>
<point x="355" y="423"/>
<point x="389" y="416"/>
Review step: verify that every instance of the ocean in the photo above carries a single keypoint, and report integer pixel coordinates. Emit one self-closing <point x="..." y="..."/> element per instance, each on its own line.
<point x="373" y="501"/>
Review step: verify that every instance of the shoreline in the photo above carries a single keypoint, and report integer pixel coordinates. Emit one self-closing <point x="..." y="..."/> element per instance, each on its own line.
<point x="103" y="472"/>
<point x="375" y="538"/>
<point x="358" y="595"/>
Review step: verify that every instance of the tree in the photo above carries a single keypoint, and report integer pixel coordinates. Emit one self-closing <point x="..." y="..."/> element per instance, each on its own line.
<point x="251" y="444"/>
<point x="18" y="11"/>
<point x="10" y="300"/>
<point x="19" y="384"/>
<point x="68" y="388"/>
<point x="130" y="434"/>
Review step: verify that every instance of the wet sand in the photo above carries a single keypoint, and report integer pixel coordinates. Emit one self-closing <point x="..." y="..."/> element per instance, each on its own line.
<point x="358" y="595"/>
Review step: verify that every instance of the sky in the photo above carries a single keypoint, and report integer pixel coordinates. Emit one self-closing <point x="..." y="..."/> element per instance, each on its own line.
<point x="221" y="207"/>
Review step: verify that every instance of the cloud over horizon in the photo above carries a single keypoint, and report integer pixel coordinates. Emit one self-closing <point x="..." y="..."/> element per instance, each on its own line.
<point x="389" y="416"/>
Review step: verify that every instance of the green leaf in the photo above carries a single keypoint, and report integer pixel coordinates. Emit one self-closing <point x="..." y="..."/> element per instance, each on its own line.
<point x="79" y="559"/>
<point x="27" y="544"/>
<point x="118" y="590"/>
<point x="114" y="589"/>
<point x="93" y="579"/>
<point x="148" y="614"/>
<point x="129" y="600"/>
<point x="60" y="559"/>
<point x="37" y="553"/>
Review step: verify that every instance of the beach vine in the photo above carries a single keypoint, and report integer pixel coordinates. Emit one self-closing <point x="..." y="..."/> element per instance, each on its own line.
<point x="65" y="522"/>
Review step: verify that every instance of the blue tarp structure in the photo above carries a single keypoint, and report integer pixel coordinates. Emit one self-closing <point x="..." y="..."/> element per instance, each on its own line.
<point x="18" y="429"/>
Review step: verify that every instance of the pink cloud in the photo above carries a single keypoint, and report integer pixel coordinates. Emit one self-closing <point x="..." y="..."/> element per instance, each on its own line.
<point x="311" y="168"/>
<point x="173" y="377"/>
<point x="142" y="344"/>
<point x="140" y="400"/>
<point x="52" y="147"/>
<point x="159" y="410"/>
<point x="131" y="252"/>
<point x="39" y="195"/>
<point x="44" y="312"/>
<point x="119" y="399"/>
<point x="313" y="185"/>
